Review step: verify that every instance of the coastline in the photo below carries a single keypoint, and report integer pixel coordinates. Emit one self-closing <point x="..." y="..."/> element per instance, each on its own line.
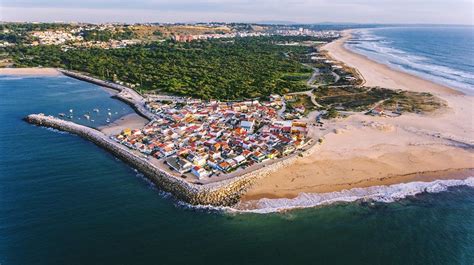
<point x="363" y="151"/>
<point x="360" y="151"/>
<point x="385" y="75"/>
<point x="132" y="121"/>
<point x="30" y="71"/>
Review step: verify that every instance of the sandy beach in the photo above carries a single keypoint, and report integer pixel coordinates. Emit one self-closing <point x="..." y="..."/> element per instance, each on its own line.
<point x="132" y="121"/>
<point x="29" y="71"/>
<point x="363" y="151"/>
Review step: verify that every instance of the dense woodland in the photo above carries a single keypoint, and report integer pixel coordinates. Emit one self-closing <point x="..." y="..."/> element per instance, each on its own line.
<point x="106" y="35"/>
<point x="220" y="69"/>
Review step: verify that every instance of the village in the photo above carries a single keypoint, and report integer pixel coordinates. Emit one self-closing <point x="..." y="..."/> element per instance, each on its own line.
<point x="203" y="139"/>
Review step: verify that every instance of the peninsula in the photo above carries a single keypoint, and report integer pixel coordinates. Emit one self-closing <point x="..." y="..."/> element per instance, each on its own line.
<point x="324" y="119"/>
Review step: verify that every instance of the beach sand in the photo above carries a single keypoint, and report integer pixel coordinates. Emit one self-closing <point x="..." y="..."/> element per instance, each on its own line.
<point x="363" y="151"/>
<point x="132" y="121"/>
<point x="29" y="71"/>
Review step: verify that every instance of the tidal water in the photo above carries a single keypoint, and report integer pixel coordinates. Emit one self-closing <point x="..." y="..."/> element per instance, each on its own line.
<point x="441" y="54"/>
<point x="64" y="200"/>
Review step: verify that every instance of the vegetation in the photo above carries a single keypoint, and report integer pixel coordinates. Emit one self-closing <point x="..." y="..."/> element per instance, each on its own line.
<point x="106" y="35"/>
<point x="406" y="101"/>
<point x="355" y="98"/>
<point x="300" y="102"/>
<point x="331" y="113"/>
<point x="17" y="33"/>
<point x="220" y="69"/>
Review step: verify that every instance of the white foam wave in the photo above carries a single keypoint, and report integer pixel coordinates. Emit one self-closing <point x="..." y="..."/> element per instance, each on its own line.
<point x="379" y="49"/>
<point x="9" y="77"/>
<point x="55" y="130"/>
<point x="386" y="194"/>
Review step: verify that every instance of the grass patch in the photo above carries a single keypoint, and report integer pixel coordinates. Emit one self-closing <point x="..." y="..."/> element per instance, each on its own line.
<point x="354" y="98"/>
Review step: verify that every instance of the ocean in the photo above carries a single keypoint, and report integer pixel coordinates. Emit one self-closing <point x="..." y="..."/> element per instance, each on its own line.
<point x="444" y="55"/>
<point x="64" y="200"/>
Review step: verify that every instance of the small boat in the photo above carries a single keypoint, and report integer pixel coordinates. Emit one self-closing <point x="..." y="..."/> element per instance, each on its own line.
<point x="62" y="114"/>
<point x="71" y="110"/>
<point x="110" y="114"/>
<point x="108" y="120"/>
<point x="92" y="120"/>
<point x="87" y="116"/>
<point x="70" y="117"/>
<point x="116" y="112"/>
<point x="96" y="110"/>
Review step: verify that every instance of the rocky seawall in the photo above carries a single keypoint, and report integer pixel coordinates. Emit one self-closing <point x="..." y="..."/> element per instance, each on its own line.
<point x="223" y="193"/>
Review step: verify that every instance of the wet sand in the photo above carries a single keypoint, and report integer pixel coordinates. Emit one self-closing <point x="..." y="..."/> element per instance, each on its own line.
<point x="363" y="151"/>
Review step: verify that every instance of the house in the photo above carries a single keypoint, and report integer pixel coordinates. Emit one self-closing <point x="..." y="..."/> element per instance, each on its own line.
<point x="179" y="164"/>
<point x="199" y="172"/>
<point x="247" y="126"/>
<point x="377" y="111"/>
<point x="240" y="159"/>
<point x="224" y="166"/>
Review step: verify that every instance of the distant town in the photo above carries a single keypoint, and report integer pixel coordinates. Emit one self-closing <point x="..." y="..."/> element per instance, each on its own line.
<point x="112" y="36"/>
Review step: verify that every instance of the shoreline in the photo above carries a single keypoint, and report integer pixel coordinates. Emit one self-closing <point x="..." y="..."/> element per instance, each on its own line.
<point x="132" y="121"/>
<point x="425" y="176"/>
<point x="393" y="78"/>
<point x="30" y="71"/>
<point x="362" y="151"/>
<point x="355" y="152"/>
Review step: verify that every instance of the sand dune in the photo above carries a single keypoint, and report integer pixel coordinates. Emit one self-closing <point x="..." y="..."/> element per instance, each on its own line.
<point x="368" y="151"/>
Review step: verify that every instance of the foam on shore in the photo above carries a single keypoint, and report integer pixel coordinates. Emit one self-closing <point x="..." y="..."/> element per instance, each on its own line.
<point x="386" y="194"/>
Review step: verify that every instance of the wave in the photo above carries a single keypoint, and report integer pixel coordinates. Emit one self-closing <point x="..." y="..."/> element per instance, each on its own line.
<point x="380" y="49"/>
<point x="385" y="194"/>
<point x="11" y="77"/>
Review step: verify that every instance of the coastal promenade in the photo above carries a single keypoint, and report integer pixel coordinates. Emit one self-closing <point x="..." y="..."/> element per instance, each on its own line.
<point x="222" y="193"/>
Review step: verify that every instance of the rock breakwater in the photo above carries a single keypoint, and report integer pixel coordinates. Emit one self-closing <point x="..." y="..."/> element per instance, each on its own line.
<point x="223" y="193"/>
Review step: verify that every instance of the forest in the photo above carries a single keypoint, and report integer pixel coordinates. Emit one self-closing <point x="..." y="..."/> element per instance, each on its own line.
<point x="225" y="69"/>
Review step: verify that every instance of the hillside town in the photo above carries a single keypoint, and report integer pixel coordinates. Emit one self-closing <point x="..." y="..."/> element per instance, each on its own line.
<point x="113" y="35"/>
<point x="207" y="138"/>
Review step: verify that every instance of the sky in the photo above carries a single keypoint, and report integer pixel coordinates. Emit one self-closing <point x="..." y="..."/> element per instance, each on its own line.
<point x="300" y="11"/>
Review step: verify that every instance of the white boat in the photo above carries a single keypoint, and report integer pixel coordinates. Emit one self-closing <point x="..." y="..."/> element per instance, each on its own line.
<point x="71" y="110"/>
<point x="96" y="110"/>
<point x="110" y="114"/>
<point x="62" y="114"/>
<point x="87" y="116"/>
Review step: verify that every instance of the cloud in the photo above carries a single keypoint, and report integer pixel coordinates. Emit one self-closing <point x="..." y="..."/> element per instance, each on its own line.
<point x="305" y="11"/>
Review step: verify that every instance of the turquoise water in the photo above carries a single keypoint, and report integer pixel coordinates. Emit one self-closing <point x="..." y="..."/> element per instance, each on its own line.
<point x="63" y="200"/>
<point x="441" y="54"/>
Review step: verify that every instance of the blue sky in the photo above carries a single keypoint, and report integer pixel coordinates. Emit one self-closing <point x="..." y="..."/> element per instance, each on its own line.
<point x="302" y="11"/>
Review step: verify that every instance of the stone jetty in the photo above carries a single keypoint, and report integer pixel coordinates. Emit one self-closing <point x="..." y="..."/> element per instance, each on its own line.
<point x="223" y="193"/>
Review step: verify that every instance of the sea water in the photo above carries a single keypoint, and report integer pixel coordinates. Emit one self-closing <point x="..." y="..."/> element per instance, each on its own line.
<point x="444" y="55"/>
<point x="64" y="200"/>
